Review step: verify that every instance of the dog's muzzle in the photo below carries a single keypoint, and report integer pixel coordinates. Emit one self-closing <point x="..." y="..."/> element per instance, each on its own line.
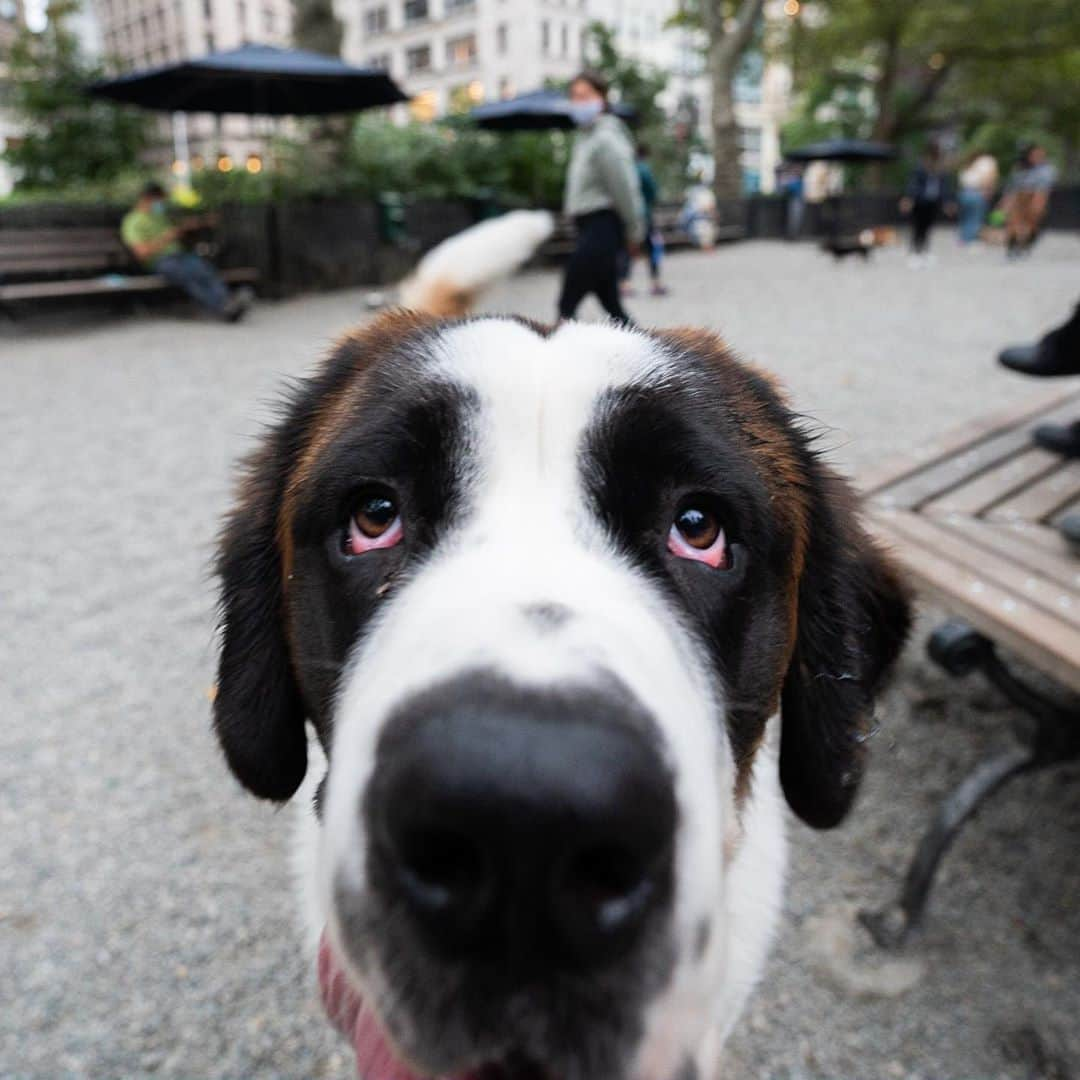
<point x="519" y="837"/>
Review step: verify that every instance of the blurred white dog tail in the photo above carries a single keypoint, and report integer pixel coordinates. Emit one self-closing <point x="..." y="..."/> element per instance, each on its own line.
<point x="450" y="277"/>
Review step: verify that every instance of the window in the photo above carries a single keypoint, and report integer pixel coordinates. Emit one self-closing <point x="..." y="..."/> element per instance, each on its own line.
<point x="454" y="7"/>
<point x="380" y="61"/>
<point x="415" y="11"/>
<point x="502" y="39"/>
<point x="461" y="51"/>
<point x="545" y="37"/>
<point x="268" y="19"/>
<point x="418" y="59"/>
<point x="506" y="87"/>
<point x="376" y="21"/>
<point x="565" y="39"/>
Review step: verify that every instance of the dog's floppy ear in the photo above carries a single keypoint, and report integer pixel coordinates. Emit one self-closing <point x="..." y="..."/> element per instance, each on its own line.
<point x="852" y="619"/>
<point x="258" y="711"/>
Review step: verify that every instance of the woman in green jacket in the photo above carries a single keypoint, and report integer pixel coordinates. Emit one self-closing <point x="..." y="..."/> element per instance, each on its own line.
<point x="603" y="196"/>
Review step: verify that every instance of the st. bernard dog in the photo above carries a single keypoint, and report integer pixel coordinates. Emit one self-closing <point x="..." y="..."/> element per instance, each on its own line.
<point x="567" y="609"/>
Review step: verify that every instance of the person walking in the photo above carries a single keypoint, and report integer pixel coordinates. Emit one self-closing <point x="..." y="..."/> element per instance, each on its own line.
<point x="1027" y="195"/>
<point x="654" y="242"/>
<point x="603" y="196"/>
<point x="155" y="241"/>
<point x="927" y="195"/>
<point x="978" y="182"/>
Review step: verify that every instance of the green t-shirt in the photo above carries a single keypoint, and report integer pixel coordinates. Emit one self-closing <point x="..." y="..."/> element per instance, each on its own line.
<point x="141" y="227"/>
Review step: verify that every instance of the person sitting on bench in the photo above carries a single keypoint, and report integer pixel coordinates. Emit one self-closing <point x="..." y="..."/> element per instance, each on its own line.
<point x="1056" y="353"/>
<point x="155" y="241"/>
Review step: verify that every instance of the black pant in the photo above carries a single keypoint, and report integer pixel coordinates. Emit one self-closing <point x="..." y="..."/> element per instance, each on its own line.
<point x="923" y="216"/>
<point x="594" y="265"/>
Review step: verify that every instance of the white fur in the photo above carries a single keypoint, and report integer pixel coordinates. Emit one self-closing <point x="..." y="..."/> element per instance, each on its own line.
<point x="474" y="259"/>
<point x="528" y="536"/>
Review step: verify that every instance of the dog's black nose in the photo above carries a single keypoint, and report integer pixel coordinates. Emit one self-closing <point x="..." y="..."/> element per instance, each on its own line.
<point x="532" y="829"/>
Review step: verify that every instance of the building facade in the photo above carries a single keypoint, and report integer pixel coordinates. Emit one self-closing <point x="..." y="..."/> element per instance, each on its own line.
<point x="452" y="54"/>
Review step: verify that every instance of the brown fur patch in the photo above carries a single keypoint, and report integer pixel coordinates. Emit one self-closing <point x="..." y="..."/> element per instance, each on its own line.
<point x="439" y="298"/>
<point x="361" y="347"/>
<point x="771" y="443"/>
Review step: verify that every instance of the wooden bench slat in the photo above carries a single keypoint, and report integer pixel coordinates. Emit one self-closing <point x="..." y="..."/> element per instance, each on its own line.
<point x="1036" y="588"/>
<point x="1042" y="499"/>
<point x="1043" y="640"/>
<point x="881" y="477"/>
<point x="945" y="474"/>
<point x="42" y="290"/>
<point x="1035" y="547"/>
<point x="986" y="489"/>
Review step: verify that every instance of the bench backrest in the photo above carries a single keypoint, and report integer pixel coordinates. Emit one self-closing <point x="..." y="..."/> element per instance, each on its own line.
<point x="38" y="253"/>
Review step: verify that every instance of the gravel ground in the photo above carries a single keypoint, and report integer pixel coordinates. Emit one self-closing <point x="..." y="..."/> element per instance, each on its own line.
<point x="146" y="917"/>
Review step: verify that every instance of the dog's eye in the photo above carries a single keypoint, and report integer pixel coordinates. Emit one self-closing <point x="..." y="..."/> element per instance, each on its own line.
<point x="375" y="523"/>
<point x="696" y="533"/>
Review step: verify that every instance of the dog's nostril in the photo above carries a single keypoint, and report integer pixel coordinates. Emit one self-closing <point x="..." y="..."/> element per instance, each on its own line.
<point x="606" y="886"/>
<point x="439" y="868"/>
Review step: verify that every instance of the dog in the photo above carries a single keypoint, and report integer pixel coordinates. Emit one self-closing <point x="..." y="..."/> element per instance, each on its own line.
<point x="452" y="276"/>
<point x="571" y="611"/>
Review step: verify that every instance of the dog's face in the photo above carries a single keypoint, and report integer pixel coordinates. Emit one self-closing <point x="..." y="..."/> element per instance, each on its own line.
<point x="539" y="594"/>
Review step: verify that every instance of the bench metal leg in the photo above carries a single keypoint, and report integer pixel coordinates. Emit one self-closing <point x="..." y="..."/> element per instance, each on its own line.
<point x="1047" y="735"/>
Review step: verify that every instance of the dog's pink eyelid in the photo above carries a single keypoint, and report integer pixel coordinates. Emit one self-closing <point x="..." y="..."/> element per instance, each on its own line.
<point x="359" y="543"/>
<point x="715" y="555"/>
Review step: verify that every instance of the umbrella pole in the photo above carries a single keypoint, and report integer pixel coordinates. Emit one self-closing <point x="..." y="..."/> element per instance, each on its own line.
<point x="181" y="154"/>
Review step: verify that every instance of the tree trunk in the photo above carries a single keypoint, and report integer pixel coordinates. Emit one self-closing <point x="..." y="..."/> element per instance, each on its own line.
<point x="727" y="176"/>
<point x="728" y="39"/>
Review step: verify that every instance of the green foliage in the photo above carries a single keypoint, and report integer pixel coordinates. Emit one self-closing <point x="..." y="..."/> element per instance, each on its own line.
<point x="901" y="71"/>
<point x="68" y="139"/>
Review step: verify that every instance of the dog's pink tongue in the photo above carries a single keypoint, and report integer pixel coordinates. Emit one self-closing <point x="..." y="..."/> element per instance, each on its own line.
<point x="350" y="1014"/>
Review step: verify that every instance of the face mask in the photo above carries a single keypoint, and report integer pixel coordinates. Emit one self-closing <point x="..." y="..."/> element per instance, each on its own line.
<point x="585" y="113"/>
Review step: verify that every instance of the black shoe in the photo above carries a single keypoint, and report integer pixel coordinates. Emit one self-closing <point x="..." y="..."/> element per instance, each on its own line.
<point x="1070" y="529"/>
<point x="1041" y="359"/>
<point x="1063" y="439"/>
<point x="236" y="309"/>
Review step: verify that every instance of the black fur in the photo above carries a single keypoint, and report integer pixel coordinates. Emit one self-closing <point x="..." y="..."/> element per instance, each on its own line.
<point x="276" y="669"/>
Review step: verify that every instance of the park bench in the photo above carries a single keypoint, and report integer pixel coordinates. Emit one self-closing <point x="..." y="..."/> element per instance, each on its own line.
<point x="41" y="264"/>
<point x="973" y="519"/>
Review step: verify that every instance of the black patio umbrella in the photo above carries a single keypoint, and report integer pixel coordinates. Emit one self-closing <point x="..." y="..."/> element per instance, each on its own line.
<point x="259" y="80"/>
<point x="540" y="110"/>
<point x="845" y="150"/>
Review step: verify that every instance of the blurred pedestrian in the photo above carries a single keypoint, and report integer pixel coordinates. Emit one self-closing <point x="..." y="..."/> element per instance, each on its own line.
<point x="154" y="240"/>
<point x="978" y="184"/>
<point x="929" y="193"/>
<point x="654" y="241"/>
<point x="603" y="196"/>
<point x="697" y="218"/>
<point x="1027" y="195"/>
<point x="792" y="185"/>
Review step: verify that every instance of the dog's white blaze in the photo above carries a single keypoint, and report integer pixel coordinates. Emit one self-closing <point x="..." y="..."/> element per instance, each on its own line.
<point x="528" y="536"/>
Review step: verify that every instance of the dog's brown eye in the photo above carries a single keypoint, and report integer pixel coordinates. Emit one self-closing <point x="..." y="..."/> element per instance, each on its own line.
<point x="375" y="523"/>
<point x="696" y="534"/>
<point x="375" y="515"/>
<point x="699" y="528"/>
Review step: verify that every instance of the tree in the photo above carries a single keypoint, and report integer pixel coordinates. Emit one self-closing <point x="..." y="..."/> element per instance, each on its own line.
<point x="67" y="137"/>
<point x="907" y="53"/>
<point x="316" y="27"/>
<point x="730" y="27"/>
